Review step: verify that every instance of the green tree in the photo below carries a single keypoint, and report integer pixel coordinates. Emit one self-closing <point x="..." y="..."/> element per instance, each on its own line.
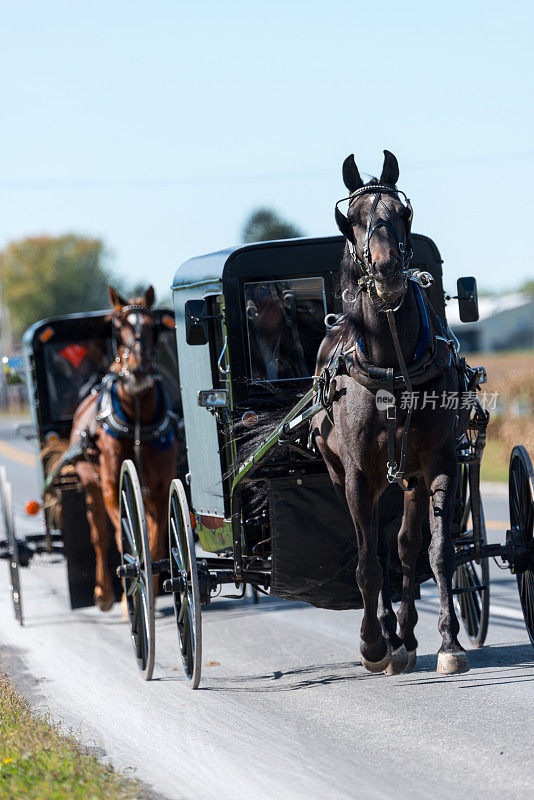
<point x="264" y="224"/>
<point x="528" y="287"/>
<point x="45" y="276"/>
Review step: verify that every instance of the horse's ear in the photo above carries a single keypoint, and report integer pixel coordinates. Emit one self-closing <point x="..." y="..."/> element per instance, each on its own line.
<point x="150" y="296"/>
<point x="390" y="171"/>
<point x="115" y="299"/>
<point x="351" y="176"/>
<point x="344" y="225"/>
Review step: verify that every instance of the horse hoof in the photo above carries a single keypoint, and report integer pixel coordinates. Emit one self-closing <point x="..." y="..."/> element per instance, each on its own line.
<point x="412" y="658"/>
<point x="452" y="663"/>
<point x="376" y="666"/>
<point x="398" y="660"/>
<point x="103" y="605"/>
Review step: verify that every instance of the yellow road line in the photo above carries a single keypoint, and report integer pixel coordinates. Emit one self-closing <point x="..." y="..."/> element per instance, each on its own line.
<point x="17" y="455"/>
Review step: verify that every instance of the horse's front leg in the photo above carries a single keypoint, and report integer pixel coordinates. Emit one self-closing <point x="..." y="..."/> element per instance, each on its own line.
<point x="386" y="615"/>
<point x="409" y="542"/>
<point x="374" y="651"/>
<point x="441" y="479"/>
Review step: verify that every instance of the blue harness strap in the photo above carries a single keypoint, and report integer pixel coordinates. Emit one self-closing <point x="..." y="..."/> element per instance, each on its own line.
<point x="424" y="331"/>
<point x="424" y="328"/>
<point x="161" y="441"/>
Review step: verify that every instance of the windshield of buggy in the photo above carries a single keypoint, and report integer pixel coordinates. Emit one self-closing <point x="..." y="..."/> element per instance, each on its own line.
<point x="285" y="326"/>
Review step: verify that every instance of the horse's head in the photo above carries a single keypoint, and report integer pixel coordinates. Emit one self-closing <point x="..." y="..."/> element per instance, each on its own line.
<point x="136" y="335"/>
<point x="377" y="229"/>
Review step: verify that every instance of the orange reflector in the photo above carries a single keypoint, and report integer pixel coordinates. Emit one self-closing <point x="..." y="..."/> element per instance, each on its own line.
<point x="46" y="334"/>
<point x="249" y="419"/>
<point x="168" y="320"/>
<point x="32" y="508"/>
<point x="193" y="520"/>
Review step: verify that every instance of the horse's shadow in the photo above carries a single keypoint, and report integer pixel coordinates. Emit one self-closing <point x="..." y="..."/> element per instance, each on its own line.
<point x="500" y="664"/>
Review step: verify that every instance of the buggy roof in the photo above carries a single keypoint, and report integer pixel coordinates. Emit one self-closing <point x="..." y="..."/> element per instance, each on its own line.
<point x="292" y="255"/>
<point x="85" y="325"/>
<point x="67" y="322"/>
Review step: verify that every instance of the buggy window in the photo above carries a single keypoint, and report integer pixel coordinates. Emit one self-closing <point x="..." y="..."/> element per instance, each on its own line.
<point x="285" y="326"/>
<point x="72" y="368"/>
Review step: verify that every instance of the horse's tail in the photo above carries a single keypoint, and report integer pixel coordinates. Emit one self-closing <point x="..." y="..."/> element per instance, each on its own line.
<point x="53" y="457"/>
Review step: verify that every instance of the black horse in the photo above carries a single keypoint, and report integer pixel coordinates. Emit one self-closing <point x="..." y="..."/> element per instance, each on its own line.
<point x="389" y="341"/>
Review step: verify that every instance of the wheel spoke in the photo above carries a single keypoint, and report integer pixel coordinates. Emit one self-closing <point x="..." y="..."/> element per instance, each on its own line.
<point x="128" y="525"/>
<point x="178" y="550"/>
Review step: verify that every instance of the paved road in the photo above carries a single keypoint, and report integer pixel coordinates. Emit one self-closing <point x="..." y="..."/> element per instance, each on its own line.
<point x="285" y="709"/>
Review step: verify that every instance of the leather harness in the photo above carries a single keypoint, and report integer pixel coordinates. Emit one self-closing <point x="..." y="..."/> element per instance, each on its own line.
<point x="435" y="357"/>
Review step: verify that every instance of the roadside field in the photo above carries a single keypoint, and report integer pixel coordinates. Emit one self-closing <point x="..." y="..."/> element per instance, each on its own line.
<point x="511" y="375"/>
<point x="38" y="761"/>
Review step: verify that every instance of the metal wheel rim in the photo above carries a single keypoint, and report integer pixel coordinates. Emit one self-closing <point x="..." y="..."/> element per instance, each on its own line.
<point x="472" y="607"/>
<point x="183" y="563"/>
<point x="6" y="498"/>
<point x="521" y="501"/>
<point x="139" y="591"/>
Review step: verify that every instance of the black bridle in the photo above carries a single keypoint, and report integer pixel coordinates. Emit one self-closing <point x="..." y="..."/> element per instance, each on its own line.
<point x="364" y="262"/>
<point x="138" y="335"/>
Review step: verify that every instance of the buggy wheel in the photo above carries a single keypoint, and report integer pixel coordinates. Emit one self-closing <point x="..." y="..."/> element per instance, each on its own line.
<point x="471" y="581"/>
<point x="136" y="569"/>
<point x="184" y="583"/>
<point x="8" y="519"/>
<point x="521" y="500"/>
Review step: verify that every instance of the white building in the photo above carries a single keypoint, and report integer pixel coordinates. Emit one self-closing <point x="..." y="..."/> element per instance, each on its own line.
<point x="506" y="323"/>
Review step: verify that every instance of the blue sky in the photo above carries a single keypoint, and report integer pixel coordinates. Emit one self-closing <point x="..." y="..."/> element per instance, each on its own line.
<point x="159" y="125"/>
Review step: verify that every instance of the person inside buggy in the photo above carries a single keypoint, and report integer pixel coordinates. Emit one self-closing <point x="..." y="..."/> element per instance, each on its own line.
<point x="285" y="324"/>
<point x="73" y="369"/>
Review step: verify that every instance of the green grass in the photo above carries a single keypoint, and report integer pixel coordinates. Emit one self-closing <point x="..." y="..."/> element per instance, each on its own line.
<point x="38" y="761"/>
<point x="495" y="461"/>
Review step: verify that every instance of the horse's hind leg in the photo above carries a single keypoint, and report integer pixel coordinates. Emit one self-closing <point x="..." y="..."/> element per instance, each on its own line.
<point x="386" y="615"/>
<point x="409" y="542"/>
<point x="100" y="537"/>
<point x="441" y="479"/>
<point x="374" y="651"/>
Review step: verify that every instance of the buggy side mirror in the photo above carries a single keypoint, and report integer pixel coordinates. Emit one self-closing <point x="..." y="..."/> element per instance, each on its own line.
<point x="467" y="299"/>
<point x="196" y="327"/>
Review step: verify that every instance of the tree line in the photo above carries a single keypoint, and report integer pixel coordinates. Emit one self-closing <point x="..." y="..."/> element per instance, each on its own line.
<point x="45" y="276"/>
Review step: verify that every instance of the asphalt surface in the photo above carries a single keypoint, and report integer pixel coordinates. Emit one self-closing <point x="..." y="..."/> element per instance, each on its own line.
<point x="284" y="709"/>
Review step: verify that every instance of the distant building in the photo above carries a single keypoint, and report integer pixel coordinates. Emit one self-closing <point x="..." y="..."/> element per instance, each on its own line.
<point x="506" y="323"/>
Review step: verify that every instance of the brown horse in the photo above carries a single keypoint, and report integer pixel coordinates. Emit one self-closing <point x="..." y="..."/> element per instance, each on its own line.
<point x="131" y="395"/>
<point x="389" y="324"/>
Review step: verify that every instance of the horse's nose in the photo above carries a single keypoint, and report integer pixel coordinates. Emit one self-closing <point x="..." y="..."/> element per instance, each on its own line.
<point x="387" y="269"/>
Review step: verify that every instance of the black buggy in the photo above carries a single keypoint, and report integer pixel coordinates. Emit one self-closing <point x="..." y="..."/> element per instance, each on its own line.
<point x="64" y="359"/>
<point x="249" y="321"/>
